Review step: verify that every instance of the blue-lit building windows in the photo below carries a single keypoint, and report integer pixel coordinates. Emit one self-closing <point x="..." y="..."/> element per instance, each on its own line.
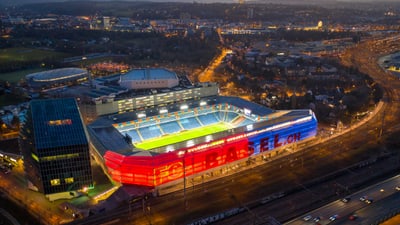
<point x="55" y="147"/>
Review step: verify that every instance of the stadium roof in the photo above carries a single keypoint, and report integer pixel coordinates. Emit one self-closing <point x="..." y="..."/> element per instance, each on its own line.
<point x="255" y="108"/>
<point x="57" y="123"/>
<point x="57" y="74"/>
<point x="149" y="74"/>
<point x="112" y="139"/>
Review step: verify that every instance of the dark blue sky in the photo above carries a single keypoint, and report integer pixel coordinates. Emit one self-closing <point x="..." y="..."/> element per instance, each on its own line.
<point x="19" y="2"/>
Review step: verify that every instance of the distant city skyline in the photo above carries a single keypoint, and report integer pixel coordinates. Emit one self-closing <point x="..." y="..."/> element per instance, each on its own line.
<point x="18" y="2"/>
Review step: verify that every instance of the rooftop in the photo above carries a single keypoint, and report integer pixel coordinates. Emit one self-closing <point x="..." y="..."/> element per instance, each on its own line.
<point x="52" y="75"/>
<point x="57" y="123"/>
<point x="149" y="74"/>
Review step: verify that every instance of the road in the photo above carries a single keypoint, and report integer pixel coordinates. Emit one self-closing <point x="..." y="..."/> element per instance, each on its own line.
<point x="375" y="193"/>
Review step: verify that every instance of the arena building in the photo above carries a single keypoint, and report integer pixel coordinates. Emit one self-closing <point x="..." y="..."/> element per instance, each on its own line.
<point x="58" y="77"/>
<point x="161" y="145"/>
<point x="149" y="79"/>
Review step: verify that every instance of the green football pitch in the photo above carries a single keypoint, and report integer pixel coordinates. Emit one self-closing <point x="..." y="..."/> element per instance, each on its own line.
<point x="182" y="136"/>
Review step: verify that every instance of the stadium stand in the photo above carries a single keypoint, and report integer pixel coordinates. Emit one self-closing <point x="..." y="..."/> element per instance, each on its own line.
<point x="147" y="123"/>
<point x="167" y="119"/>
<point x="170" y="127"/>
<point x="150" y="132"/>
<point x="245" y="122"/>
<point x="208" y="119"/>
<point x="135" y="136"/>
<point x="230" y="116"/>
<point x="147" y="128"/>
<point x="186" y="115"/>
<point x="189" y="123"/>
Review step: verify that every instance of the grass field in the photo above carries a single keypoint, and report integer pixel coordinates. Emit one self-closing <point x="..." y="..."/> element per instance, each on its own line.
<point x="14" y="77"/>
<point x="28" y="54"/>
<point x="182" y="136"/>
<point x="15" y="55"/>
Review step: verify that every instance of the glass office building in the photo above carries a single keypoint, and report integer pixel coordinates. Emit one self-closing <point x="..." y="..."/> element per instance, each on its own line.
<point x="55" y="147"/>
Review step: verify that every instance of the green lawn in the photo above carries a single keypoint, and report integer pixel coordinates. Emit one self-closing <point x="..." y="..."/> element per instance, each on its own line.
<point x="14" y="77"/>
<point x="182" y="136"/>
<point x="15" y="56"/>
<point x="28" y="54"/>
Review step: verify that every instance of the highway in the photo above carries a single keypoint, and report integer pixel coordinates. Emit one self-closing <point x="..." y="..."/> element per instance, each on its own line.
<point x="343" y="210"/>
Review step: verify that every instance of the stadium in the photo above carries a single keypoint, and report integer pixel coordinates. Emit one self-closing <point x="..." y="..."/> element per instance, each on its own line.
<point x="57" y="77"/>
<point x="161" y="145"/>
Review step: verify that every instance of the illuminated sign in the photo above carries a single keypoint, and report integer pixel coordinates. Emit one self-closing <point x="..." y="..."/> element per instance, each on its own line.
<point x="277" y="141"/>
<point x="271" y="128"/>
<point x="59" y="122"/>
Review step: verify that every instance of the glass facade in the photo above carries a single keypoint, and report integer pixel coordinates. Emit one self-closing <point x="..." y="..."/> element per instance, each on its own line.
<point x="55" y="147"/>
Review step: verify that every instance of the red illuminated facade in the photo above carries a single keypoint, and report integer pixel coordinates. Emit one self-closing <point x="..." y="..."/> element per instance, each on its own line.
<point x="160" y="169"/>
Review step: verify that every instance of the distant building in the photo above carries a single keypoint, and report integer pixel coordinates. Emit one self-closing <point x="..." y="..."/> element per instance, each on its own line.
<point x="106" y="22"/>
<point x="149" y="78"/>
<point x="55" y="148"/>
<point x="250" y="13"/>
<point x="57" y="77"/>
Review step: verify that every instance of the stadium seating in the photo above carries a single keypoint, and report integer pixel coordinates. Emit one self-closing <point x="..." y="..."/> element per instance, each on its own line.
<point x="167" y="119"/>
<point x="230" y="116"/>
<point x="147" y="123"/>
<point x="186" y="115"/>
<point x="244" y="122"/>
<point x="189" y="123"/>
<point x="148" y="129"/>
<point x="150" y="132"/>
<point x="208" y="119"/>
<point x="134" y="135"/>
<point x="170" y="127"/>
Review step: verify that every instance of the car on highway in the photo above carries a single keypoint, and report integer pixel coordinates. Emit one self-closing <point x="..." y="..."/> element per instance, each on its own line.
<point x="363" y="198"/>
<point x="353" y="217"/>
<point x="317" y="219"/>
<point x="398" y="188"/>
<point x="334" y="217"/>
<point x="369" y="201"/>
<point x="346" y="199"/>
<point x="307" y="218"/>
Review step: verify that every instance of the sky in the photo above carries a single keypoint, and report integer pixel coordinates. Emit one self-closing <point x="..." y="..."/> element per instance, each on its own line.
<point x="18" y="2"/>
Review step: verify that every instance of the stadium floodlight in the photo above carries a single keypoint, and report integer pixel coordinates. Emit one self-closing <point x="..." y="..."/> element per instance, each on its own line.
<point x="141" y="115"/>
<point x="189" y="143"/>
<point x="183" y="107"/>
<point x="209" y="138"/>
<point x="170" y="148"/>
<point x="202" y="103"/>
<point x="164" y="110"/>
<point x="247" y="112"/>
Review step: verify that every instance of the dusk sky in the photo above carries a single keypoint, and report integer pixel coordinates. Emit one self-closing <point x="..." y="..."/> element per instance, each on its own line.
<point x="205" y="1"/>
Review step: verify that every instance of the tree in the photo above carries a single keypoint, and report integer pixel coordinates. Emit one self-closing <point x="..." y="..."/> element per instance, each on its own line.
<point x="15" y="122"/>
